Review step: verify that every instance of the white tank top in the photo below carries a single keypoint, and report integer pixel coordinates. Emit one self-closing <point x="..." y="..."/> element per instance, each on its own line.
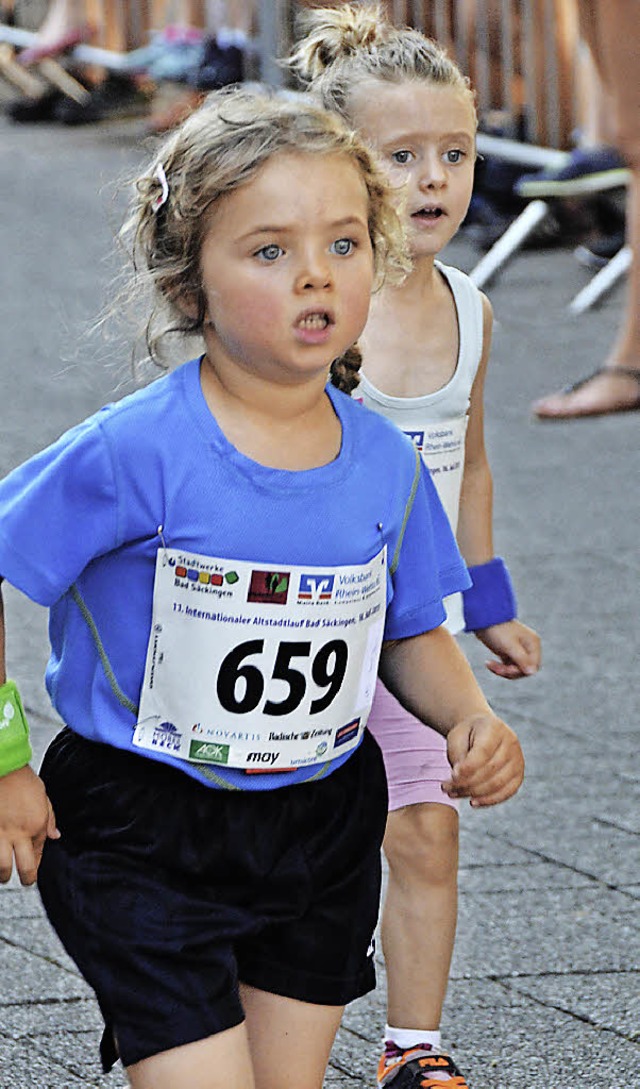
<point x="437" y="422"/>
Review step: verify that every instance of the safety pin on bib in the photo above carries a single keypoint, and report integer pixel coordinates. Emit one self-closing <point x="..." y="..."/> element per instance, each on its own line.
<point x="160" y="533"/>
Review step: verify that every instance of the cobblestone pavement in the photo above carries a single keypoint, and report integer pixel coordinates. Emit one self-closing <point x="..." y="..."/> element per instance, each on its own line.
<point x="544" y="987"/>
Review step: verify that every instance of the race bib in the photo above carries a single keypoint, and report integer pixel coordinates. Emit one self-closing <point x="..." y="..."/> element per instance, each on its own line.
<point x="259" y="667"/>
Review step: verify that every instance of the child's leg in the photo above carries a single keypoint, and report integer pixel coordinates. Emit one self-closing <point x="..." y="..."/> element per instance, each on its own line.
<point x="219" y="1062"/>
<point x="290" y="1041"/>
<point x="285" y="1044"/>
<point x="420" y="911"/>
<point x="421" y="845"/>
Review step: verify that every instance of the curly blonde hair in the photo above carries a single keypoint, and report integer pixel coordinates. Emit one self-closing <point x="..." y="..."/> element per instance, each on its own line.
<point x="219" y="148"/>
<point x="341" y="47"/>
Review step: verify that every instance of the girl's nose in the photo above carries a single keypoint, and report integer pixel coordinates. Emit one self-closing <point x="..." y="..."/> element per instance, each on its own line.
<point x="315" y="273"/>
<point x="434" y="174"/>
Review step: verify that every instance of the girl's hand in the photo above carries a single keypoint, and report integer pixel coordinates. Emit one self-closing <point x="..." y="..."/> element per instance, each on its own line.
<point x="517" y="647"/>
<point x="486" y="760"/>
<point x="26" y="821"/>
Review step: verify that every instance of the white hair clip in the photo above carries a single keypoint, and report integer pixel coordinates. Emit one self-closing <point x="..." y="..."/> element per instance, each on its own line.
<point x="163" y="196"/>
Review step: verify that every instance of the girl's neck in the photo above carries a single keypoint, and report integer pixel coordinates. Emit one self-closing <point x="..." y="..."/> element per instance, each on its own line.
<point x="290" y="427"/>
<point x="420" y="283"/>
<point x="411" y="341"/>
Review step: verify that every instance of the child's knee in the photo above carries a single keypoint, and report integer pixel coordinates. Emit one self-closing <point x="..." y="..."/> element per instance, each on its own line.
<point x="422" y="841"/>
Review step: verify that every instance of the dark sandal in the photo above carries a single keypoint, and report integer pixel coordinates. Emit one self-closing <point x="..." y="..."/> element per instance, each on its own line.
<point x="633" y="406"/>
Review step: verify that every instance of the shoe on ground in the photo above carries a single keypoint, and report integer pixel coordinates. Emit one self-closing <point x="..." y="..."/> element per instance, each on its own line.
<point x="26" y="111"/>
<point x="587" y="171"/>
<point x="221" y="66"/>
<point x="598" y="252"/>
<point x="117" y="97"/>
<point x="419" y="1067"/>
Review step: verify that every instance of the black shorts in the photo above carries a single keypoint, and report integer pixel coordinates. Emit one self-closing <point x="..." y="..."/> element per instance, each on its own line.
<point x="167" y="892"/>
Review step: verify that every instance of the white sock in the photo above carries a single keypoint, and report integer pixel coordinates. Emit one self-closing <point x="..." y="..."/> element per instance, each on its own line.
<point x="406" y="1038"/>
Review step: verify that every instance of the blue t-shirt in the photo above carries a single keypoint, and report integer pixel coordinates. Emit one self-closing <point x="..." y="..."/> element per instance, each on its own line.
<point x="81" y="524"/>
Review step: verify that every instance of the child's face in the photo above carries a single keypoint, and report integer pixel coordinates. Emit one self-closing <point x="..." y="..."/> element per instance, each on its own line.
<point x="287" y="268"/>
<point x="425" y="138"/>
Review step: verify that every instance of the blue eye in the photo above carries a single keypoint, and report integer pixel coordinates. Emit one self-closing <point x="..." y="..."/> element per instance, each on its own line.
<point x="271" y="252"/>
<point x="455" y="155"/>
<point x="343" y="247"/>
<point x="402" y="157"/>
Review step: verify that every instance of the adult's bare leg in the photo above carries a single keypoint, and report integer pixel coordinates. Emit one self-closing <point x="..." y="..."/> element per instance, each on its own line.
<point x="63" y="26"/>
<point x="612" y="36"/>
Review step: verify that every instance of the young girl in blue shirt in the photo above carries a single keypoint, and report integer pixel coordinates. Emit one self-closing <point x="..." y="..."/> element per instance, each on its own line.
<point x="229" y="557"/>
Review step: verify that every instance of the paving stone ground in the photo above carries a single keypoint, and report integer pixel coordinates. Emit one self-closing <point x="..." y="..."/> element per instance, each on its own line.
<point x="544" y="989"/>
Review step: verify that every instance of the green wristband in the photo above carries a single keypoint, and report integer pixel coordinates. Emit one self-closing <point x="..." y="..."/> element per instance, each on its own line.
<point x="15" y="749"/>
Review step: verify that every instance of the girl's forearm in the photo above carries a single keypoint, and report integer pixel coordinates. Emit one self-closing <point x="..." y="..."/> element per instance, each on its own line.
<point x="430" y="676"/>
<point x="475" y="521"/>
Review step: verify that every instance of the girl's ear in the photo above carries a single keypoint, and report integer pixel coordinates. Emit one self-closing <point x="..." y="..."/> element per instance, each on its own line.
<point x="188" y="304"/>
<point x="194" y="306"/>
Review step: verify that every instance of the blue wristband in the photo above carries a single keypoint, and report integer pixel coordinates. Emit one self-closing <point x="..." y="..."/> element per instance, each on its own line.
<point x="491" y="600"/>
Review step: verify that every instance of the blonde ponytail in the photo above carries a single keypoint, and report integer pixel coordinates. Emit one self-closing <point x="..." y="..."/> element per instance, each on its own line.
<point x="345" y="46"/>
<point x="331" y="34"/>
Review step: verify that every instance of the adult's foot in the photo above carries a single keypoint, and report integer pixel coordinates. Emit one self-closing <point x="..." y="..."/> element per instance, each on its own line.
<point x="54" y="46"/>
<point x="611" y="389"/>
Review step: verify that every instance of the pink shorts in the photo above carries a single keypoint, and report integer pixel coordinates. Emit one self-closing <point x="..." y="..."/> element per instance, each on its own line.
<point x="415" y="756"/>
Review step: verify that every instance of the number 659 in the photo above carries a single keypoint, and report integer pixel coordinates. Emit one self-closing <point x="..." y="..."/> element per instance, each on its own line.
<point x="328" y="668"/>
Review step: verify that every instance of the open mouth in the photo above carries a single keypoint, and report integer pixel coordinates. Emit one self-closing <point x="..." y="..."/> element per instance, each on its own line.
<point x="314" y="320"/>
<point x="428" y="214"/>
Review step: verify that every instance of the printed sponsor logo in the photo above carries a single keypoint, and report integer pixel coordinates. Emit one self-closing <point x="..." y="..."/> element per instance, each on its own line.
<point x="269" y="587"/>
<point x="346" y="733"/>
<point x="262" y="757"/>
<point x="316" y="588"/>
<point x="221" y="733"/>
<point x="321" y="748"/>
<point x="417" y="438"/>
<point x="205" y="578"/>
<point x="209" y="752"/>
<point x="166" y="736"/>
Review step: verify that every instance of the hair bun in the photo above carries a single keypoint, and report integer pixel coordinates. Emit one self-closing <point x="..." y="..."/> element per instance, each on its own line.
<point x="330" y="34"/>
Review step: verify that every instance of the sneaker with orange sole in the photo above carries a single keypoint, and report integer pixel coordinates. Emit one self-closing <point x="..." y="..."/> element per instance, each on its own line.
<point x="420" y="1067"/>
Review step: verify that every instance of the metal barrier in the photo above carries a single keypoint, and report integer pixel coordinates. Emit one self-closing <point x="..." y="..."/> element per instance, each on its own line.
<point x="520" y="54"/>
<point x="521" y="57"/>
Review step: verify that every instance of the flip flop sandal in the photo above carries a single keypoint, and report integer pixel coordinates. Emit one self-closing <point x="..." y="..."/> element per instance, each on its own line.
<point x="633" y="406"/>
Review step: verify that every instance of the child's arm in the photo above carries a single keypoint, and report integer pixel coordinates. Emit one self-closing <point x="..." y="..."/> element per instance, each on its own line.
<point x="432" y="679"/>
<point x="516" y="646"/>
<point x="26" y="815"/>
